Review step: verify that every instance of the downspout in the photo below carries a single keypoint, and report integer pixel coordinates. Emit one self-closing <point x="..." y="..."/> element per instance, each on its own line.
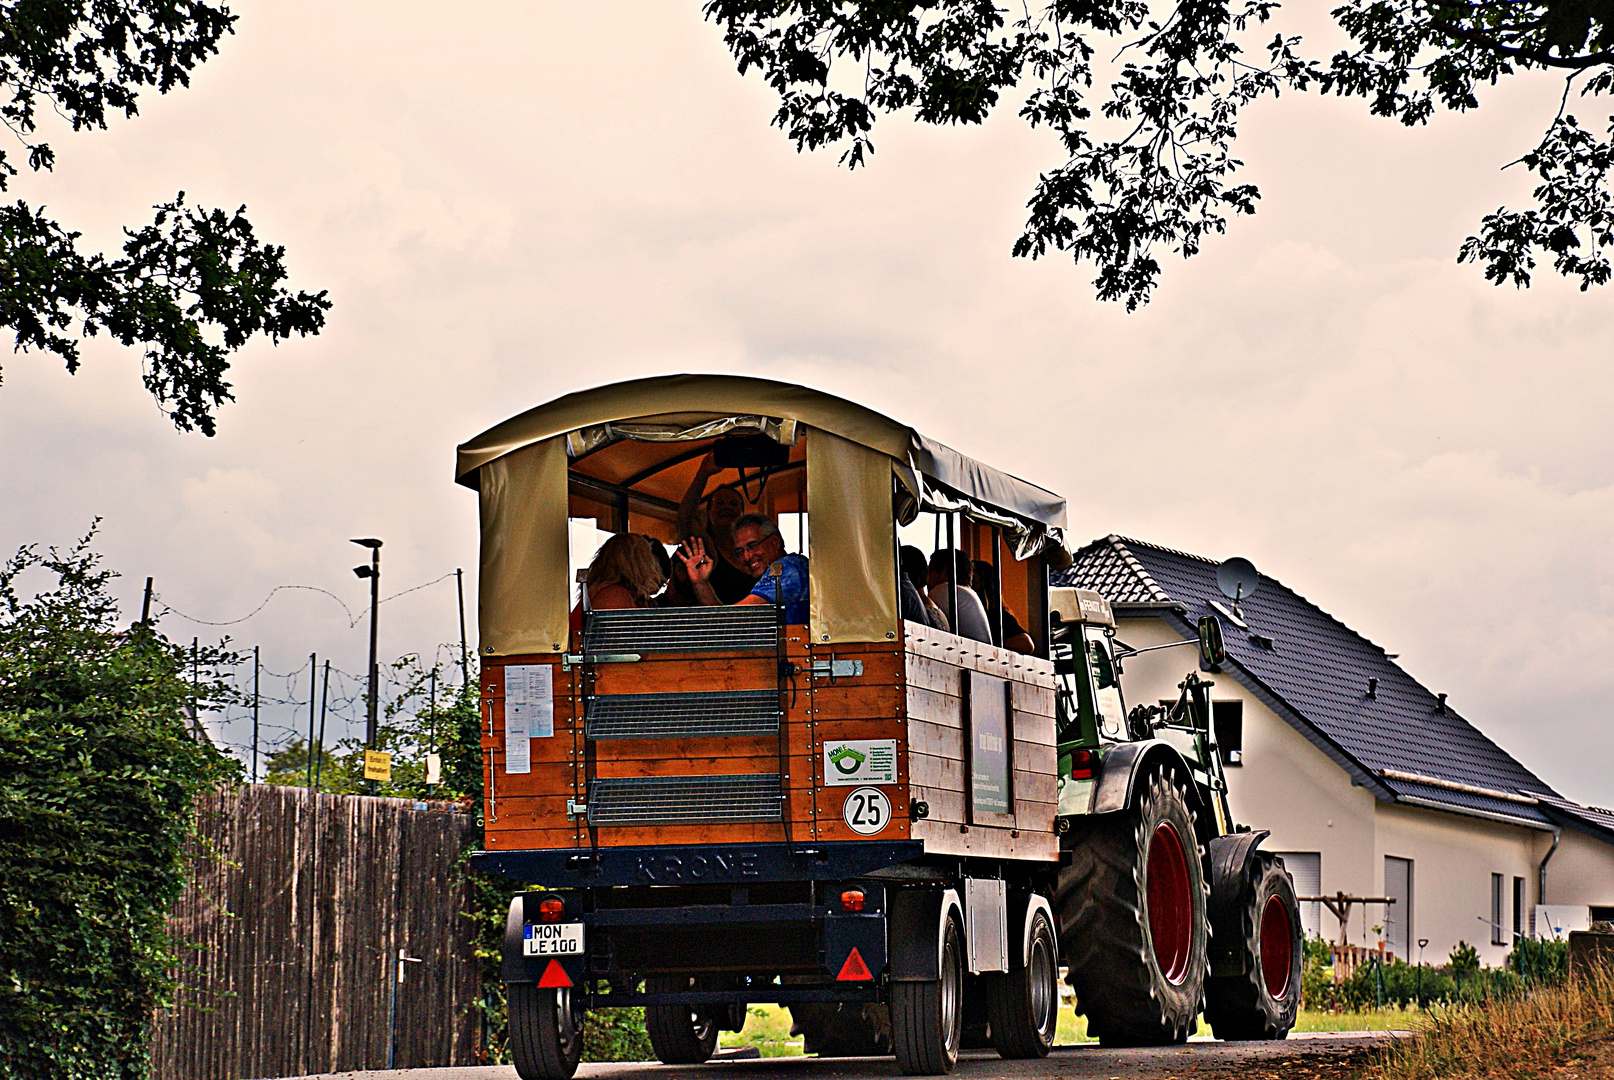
<point x="1541" y="872"/>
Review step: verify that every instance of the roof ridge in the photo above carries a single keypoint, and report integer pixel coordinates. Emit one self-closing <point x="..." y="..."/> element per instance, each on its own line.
<point x="1160" y="547"/>
<point x="1118" y="544"/>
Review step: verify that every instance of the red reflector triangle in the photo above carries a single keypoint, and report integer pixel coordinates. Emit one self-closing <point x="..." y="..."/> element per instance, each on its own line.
<point x="854" y="970"/>
<point x="555" y="976"/>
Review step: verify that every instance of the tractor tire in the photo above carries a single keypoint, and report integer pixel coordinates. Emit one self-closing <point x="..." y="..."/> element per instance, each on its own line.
<point x="1023" y="1002"/>
<point x="1132" y="920"/>
<point x="842" y="1030"/>
<point x="678" y="1034"/>
<point x="546" y="1039"/>
<point x="927" y="1018"/>
<point x="1262" y="1002"/>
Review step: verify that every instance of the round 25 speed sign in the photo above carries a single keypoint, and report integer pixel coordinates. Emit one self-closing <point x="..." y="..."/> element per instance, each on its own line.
<point x="866" y="811"/>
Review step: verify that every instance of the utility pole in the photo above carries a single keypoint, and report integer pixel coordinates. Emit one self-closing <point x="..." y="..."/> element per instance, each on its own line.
<point x="255" y="699"/>
<point x="324" y="698"/>
<point x="465" y="656"/>
<point x="313" y="678"/>
<point x="145" y="609"/>
<point x="373" y="572"/>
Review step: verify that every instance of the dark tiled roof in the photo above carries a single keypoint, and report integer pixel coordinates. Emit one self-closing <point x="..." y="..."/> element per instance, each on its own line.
<point x="1589" y="819"/>
<point x="1315" y="674"/>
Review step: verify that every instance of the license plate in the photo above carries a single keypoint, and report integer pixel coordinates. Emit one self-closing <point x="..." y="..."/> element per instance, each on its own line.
<point x="553" y="939"/>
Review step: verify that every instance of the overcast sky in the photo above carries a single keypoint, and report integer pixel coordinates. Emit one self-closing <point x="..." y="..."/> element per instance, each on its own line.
<point x="518" y="200"/>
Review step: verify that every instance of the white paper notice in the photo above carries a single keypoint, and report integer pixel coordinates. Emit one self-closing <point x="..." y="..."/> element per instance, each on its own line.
<point x="529" y="712"/>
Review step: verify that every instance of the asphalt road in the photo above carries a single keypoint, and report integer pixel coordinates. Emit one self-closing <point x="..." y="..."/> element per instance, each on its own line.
<point x="1196" y="1061"/>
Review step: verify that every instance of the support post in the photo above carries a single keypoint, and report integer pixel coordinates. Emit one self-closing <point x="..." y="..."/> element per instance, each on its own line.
<point x="465" y="657"/>
<point x="313" y="683"/>
<point x="256" y="667"/>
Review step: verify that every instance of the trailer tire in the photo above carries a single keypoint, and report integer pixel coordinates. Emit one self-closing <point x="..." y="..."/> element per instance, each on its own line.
<point x="678" y="1034"/>
<point x="1262" y="1002"/>
<point x="1132" y="919"/>
<point x="1023" y="1002"/>
<point x="545" y="1039"/>
<point x="927" y="1018"/>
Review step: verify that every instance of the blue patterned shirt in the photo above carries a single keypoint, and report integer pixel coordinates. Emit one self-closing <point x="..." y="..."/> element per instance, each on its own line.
<point x="792" y="581"/>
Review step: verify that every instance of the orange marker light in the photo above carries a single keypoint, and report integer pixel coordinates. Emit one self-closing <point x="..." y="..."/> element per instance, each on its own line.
<point x="551" y="910"/>
<point x="852" y="900"/>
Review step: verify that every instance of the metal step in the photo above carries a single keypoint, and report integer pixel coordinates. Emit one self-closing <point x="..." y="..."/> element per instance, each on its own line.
<point x="683" y="800"/>
<point x="681" y="716"/>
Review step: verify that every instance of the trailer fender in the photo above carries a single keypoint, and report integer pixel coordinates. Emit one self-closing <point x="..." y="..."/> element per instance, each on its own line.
<point x="1230" y="860"/>
<point x="1022" y="906"/>
<point x="1122" y="765"/>
<point x="513" y="966"/>
<point x="914" y="931"/>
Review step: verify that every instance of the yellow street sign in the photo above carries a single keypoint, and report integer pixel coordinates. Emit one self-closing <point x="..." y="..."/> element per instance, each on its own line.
<point x="377" y="765"/>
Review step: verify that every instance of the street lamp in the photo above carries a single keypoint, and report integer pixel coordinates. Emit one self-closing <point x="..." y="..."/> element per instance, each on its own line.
<point x="373" y="572"/>
<point x="1421" y="943"/>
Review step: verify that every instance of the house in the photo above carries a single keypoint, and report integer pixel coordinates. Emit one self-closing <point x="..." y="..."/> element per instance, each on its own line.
<point x="1370" y="784"/>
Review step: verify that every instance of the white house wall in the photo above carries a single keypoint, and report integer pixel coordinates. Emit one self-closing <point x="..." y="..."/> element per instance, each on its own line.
<point x="1290" y="787"/>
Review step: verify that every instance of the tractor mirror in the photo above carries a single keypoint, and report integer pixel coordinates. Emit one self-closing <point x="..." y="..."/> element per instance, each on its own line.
<point x="1212" y="651"/>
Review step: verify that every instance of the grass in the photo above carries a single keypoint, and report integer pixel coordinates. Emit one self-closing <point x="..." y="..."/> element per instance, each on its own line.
<point x="1533" y="1035"/>
<point x="768" y="1027"/>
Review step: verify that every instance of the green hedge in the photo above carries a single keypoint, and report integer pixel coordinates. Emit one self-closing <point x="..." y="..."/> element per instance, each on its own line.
<point x="1460" y="979"/>
<point x="98" y="777"/>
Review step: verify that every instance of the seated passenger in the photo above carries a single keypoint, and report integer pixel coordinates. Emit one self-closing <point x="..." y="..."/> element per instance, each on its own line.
<point x="1015" y="638"/>
<point x="714" y="525"/>
<point x="760" y="547"/>
<point x="916" y="571"/>
<point x="971" y="612"/>
<point x="624" y="574"/>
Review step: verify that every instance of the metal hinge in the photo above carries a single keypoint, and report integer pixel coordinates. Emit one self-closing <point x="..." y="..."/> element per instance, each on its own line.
<point x="576" y="809"/>
<point x="836" y="669"/>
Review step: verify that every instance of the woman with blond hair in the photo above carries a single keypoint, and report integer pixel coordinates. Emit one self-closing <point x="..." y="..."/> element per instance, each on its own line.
<point x="625" y="573"/>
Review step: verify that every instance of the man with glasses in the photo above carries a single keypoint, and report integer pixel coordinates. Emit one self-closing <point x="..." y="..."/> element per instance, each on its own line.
<point x="761" y="549"/>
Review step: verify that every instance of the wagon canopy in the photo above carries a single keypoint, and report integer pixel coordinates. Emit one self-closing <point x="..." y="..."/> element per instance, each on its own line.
<point x="635" y="438"/>
<point x="682" y="404"/>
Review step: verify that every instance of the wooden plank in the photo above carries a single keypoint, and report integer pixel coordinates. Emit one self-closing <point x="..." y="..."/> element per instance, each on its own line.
<point x="931" y="673"/>
<point x="1035" y="757"/>
<point x="1035" y="729"/>
<point x="1031" y="698"/>
<point x="930" y="771"/>
<point x="702" y="766"/>
<point x="946" y="838"/>
<point x="856" y="702"/>
<point x="935" y="740"/>
<point x="944" y="805"/>
<point x="671" y="676"/>
<point x="934" y="706"/>
<point x="1035" y="816"/>
<point x="1035" y="787"/>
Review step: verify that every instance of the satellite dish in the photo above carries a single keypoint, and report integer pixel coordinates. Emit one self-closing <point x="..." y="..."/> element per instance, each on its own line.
<point x="1237" y="579"/>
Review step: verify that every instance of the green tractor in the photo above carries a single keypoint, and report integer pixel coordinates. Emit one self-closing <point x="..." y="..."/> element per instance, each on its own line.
<point x="1165" y="905"/>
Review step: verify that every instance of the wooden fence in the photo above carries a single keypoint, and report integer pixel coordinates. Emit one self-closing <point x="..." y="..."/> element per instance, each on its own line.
<point x="289" y="934"/>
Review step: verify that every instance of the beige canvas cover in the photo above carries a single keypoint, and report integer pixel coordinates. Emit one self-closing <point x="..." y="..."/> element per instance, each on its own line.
<point x="523" y="597"/>
<point x="852" y="549"/>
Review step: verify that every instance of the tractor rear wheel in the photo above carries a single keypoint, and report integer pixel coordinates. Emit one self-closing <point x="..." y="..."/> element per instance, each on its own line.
<point x="1132" y="922"/>
<point x="1262" y="1002"/>
<point x="678" y="1034"/>
<point x="546" y="1037"/>
<point x="1023" y="1002"/>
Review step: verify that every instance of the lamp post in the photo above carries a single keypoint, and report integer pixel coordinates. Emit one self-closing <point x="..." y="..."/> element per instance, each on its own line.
<point x="1421" y="943"/>
<point x="373" y="572"/>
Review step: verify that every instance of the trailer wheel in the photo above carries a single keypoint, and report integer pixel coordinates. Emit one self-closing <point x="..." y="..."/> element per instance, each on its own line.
<point x="678" y="1034"/>
<point x="927" y="1018"/>
<point x="1132" y="920"/>
<point x="1024" y="1001"/>
<point x="545" y="1038"/>
<point x="1262" y="1002"/>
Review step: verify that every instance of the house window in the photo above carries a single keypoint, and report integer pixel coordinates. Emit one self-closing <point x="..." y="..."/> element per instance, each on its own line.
<point x="1227" y="719"/>
<point x="1496" y="910"/>
<point x="1518" y="908"/>
<point x="1306" y="867"/>
<point x="1398" y="916"/>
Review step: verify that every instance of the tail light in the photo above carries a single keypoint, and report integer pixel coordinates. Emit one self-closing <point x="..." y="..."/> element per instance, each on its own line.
<point x="551" y="910"/>
<point x="1081" y="764"/>
<point x="852" y="900"/>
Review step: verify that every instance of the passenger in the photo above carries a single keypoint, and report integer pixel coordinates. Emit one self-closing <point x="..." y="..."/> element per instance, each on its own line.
<point x="761" y="548"/>
<point x="623" y="574"/>
<point x="971" y="612"/>
<point x="715" y="527"/>
<point x="915" y="570"/>
<point x="1015" y="638"/>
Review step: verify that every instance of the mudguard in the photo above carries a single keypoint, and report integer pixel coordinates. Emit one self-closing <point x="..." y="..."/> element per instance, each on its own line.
<point x="1021" y="907"/>
<point x="1230" y="863"/>
<point x="914" y="934"/>
<point x="1121" y="765"/>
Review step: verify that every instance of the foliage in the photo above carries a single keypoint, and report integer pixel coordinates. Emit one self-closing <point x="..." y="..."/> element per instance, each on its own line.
<point x="1148" y="163"/>
<point x="1317" y="975"/>
<point x="98" y="775"/>
<point x="191" y="287"/>
<point x="1540" y="963"/>
<point x="1521" y="1035"/>
<point x="616" y="1035"/>
<point x="1464" y="958"/>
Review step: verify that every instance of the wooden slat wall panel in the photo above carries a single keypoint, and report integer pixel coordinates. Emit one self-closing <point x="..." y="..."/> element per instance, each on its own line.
<point x="296" y="905"/>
